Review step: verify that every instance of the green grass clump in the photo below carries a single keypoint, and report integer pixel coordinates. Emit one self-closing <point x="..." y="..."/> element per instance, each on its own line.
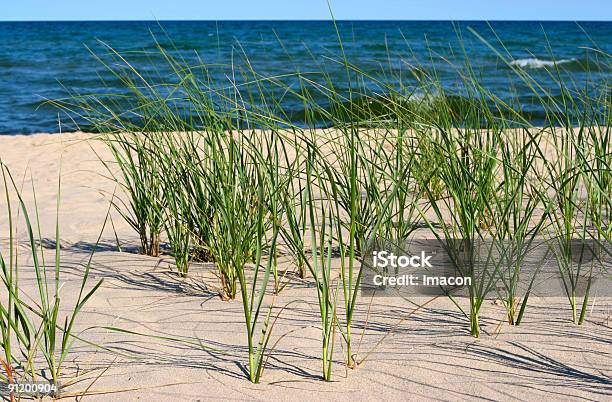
<point x="138" y="176"/>
<point x="517" y="219"/>
<point x="32" y="325"/>
<point x="321" y="232"/>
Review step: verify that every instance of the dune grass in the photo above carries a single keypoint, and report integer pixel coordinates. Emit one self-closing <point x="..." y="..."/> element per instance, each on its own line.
<point x="517" y="220"/>
<point x="221" y="170"/>
<point x="35" y="337"/>
<point x="321" y="232"/>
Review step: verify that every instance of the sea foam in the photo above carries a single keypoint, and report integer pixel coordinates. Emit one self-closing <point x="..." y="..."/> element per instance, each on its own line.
<point x="537" y="63"/>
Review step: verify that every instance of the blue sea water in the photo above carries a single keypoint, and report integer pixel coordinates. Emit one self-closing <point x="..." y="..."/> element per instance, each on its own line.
<point x="42" y="60"/>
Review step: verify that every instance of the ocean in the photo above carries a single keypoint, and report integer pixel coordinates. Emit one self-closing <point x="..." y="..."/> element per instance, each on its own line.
<point x="46" y="60"/>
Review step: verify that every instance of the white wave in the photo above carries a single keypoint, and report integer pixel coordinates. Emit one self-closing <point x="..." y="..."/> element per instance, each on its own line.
<point x="537" y="63"/>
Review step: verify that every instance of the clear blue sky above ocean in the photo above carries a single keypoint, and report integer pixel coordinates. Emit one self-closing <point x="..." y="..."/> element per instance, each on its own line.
<point x="45" y="10"/>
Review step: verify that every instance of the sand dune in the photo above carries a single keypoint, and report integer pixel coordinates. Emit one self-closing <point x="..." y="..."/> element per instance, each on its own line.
<point x="417" y="351"/>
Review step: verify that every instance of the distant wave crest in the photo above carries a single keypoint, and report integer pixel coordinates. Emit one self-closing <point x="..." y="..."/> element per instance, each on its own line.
<point x="537" y="63"/>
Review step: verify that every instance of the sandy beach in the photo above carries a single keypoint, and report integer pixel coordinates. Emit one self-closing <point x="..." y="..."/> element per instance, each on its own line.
<point x="182" y="342"/>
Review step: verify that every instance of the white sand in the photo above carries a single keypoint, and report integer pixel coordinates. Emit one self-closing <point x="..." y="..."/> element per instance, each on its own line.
<point x="423" y="354"/>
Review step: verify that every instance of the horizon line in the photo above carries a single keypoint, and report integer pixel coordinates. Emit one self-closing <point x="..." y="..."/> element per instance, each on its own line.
<point x="309" y="20"/>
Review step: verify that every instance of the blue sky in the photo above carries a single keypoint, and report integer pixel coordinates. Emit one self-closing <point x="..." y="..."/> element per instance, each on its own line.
<point x="305" y="9"/>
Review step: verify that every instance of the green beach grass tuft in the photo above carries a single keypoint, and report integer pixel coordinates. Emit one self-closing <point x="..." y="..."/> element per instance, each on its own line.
<point x="35" y="337"/>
